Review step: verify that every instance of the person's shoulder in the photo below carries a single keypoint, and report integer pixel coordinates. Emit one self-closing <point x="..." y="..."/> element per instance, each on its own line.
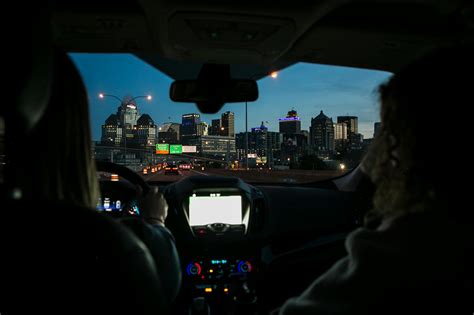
<point x="417" y="234"/>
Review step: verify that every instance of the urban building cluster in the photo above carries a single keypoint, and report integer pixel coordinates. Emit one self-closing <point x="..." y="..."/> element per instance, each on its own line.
<point x="129" y="137"/>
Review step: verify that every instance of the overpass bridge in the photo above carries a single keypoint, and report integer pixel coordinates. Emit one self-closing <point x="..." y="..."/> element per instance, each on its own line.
<point x="155" y="156"/>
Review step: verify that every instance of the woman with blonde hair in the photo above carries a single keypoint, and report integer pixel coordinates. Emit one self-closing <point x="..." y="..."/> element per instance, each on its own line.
<point x="59" y="255"/>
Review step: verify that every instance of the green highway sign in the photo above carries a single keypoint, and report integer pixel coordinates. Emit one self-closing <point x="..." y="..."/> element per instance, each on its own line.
<point x="162" y="148"/>
<point x="176" y="149"/>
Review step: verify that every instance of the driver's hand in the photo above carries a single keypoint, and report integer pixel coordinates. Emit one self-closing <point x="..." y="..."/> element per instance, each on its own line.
<point x="153" y="207"/>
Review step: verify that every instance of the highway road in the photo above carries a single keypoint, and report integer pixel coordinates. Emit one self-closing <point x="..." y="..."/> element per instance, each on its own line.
<point x="251" y="176"/>
<point x="161" y="177"/>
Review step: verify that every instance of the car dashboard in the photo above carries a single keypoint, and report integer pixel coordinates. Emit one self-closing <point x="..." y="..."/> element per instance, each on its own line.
<point x="239" y="243"/>
<point x="214" y="223"/>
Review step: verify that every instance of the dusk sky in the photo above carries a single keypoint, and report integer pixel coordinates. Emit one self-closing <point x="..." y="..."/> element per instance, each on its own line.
<point x="308" y="88"/>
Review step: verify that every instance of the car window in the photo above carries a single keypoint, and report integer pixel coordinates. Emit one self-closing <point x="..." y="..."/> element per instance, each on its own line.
<point x="311" y="122"/>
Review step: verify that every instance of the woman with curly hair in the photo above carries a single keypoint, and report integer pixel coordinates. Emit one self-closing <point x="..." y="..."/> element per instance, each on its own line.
<point x="419" y="257"/>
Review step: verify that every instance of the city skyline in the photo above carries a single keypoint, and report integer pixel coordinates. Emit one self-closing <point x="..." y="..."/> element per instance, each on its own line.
<point x="292" y="116"/>
<point x="261" y="147"/>
<point x="299" y="87"/>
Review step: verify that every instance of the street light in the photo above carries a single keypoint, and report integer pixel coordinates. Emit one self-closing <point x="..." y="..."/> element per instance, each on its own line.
<point x="103" y="95"/>
<point x="273" y="75"/>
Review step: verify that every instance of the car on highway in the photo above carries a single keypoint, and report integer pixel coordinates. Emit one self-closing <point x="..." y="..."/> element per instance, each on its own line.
<point x="171" y="169"/>
<point x="248" y="238"/>
<point x="185" y="166"/>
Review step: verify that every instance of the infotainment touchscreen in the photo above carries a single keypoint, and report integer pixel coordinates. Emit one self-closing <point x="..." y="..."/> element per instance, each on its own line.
<point x="215" y="209"/>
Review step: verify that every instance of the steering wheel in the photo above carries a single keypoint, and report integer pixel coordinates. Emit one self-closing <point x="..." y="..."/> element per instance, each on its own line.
<point x="141" y="186"/>
<point x="124" y="172"/>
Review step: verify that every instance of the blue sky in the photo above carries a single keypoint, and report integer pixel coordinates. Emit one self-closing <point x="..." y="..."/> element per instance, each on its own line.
<point x="308" y="88"/>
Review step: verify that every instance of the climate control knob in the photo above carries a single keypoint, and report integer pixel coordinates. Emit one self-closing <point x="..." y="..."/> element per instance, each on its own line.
<point x="193" y="269"/>
<point x="244" y="266"/>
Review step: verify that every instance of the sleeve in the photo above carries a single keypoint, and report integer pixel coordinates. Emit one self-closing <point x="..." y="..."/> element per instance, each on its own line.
<point x="346" y="286"/>
<point x="161" y="244"/>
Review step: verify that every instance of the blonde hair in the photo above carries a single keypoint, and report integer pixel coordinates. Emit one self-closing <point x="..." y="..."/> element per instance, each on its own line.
<point x="63" y="160"/>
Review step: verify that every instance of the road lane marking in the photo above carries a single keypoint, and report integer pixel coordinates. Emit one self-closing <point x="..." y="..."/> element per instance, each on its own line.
<point x="199" y="173"/>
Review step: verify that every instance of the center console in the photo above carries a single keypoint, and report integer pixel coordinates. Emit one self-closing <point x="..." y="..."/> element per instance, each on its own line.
<point x="225" y="283"/>
<point x="219" y="253"/>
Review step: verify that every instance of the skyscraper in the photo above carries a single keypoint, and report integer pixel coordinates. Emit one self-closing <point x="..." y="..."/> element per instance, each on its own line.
<point x="189" y="124"/>
<point x="127" y="115"/>
<point x="146" y="131"/>
<point x="215" y="129"/>
<point x="128" y="112"/>
<point x="264" y="144"/>
<point x="112" y="131"/>
<point x="322" y="134"/>
<point x="120" y="129"/>
<point x="356" y="141"/>
<point x="291" y="123"/>
<point x="351" y="122"/>
<point x="340" y="131"/>
<point x="227" y="121"/>
<point x="127" y="129"/>
<point x="341" y="139"/>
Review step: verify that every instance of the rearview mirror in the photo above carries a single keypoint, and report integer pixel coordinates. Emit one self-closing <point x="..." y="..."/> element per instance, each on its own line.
<point x="206" y="91"/>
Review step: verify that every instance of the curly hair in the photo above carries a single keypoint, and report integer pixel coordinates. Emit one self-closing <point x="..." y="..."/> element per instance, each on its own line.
<point x="410" y="160"/>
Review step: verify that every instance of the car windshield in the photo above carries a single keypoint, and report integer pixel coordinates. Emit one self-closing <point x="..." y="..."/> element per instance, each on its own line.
<point x="310" y="123"/>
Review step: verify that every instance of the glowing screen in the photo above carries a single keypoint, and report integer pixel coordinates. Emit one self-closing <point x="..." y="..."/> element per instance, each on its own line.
<point x="215" y="209"/>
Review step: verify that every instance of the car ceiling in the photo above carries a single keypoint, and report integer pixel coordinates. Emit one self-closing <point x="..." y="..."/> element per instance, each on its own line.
<point x="257" y="37"/>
